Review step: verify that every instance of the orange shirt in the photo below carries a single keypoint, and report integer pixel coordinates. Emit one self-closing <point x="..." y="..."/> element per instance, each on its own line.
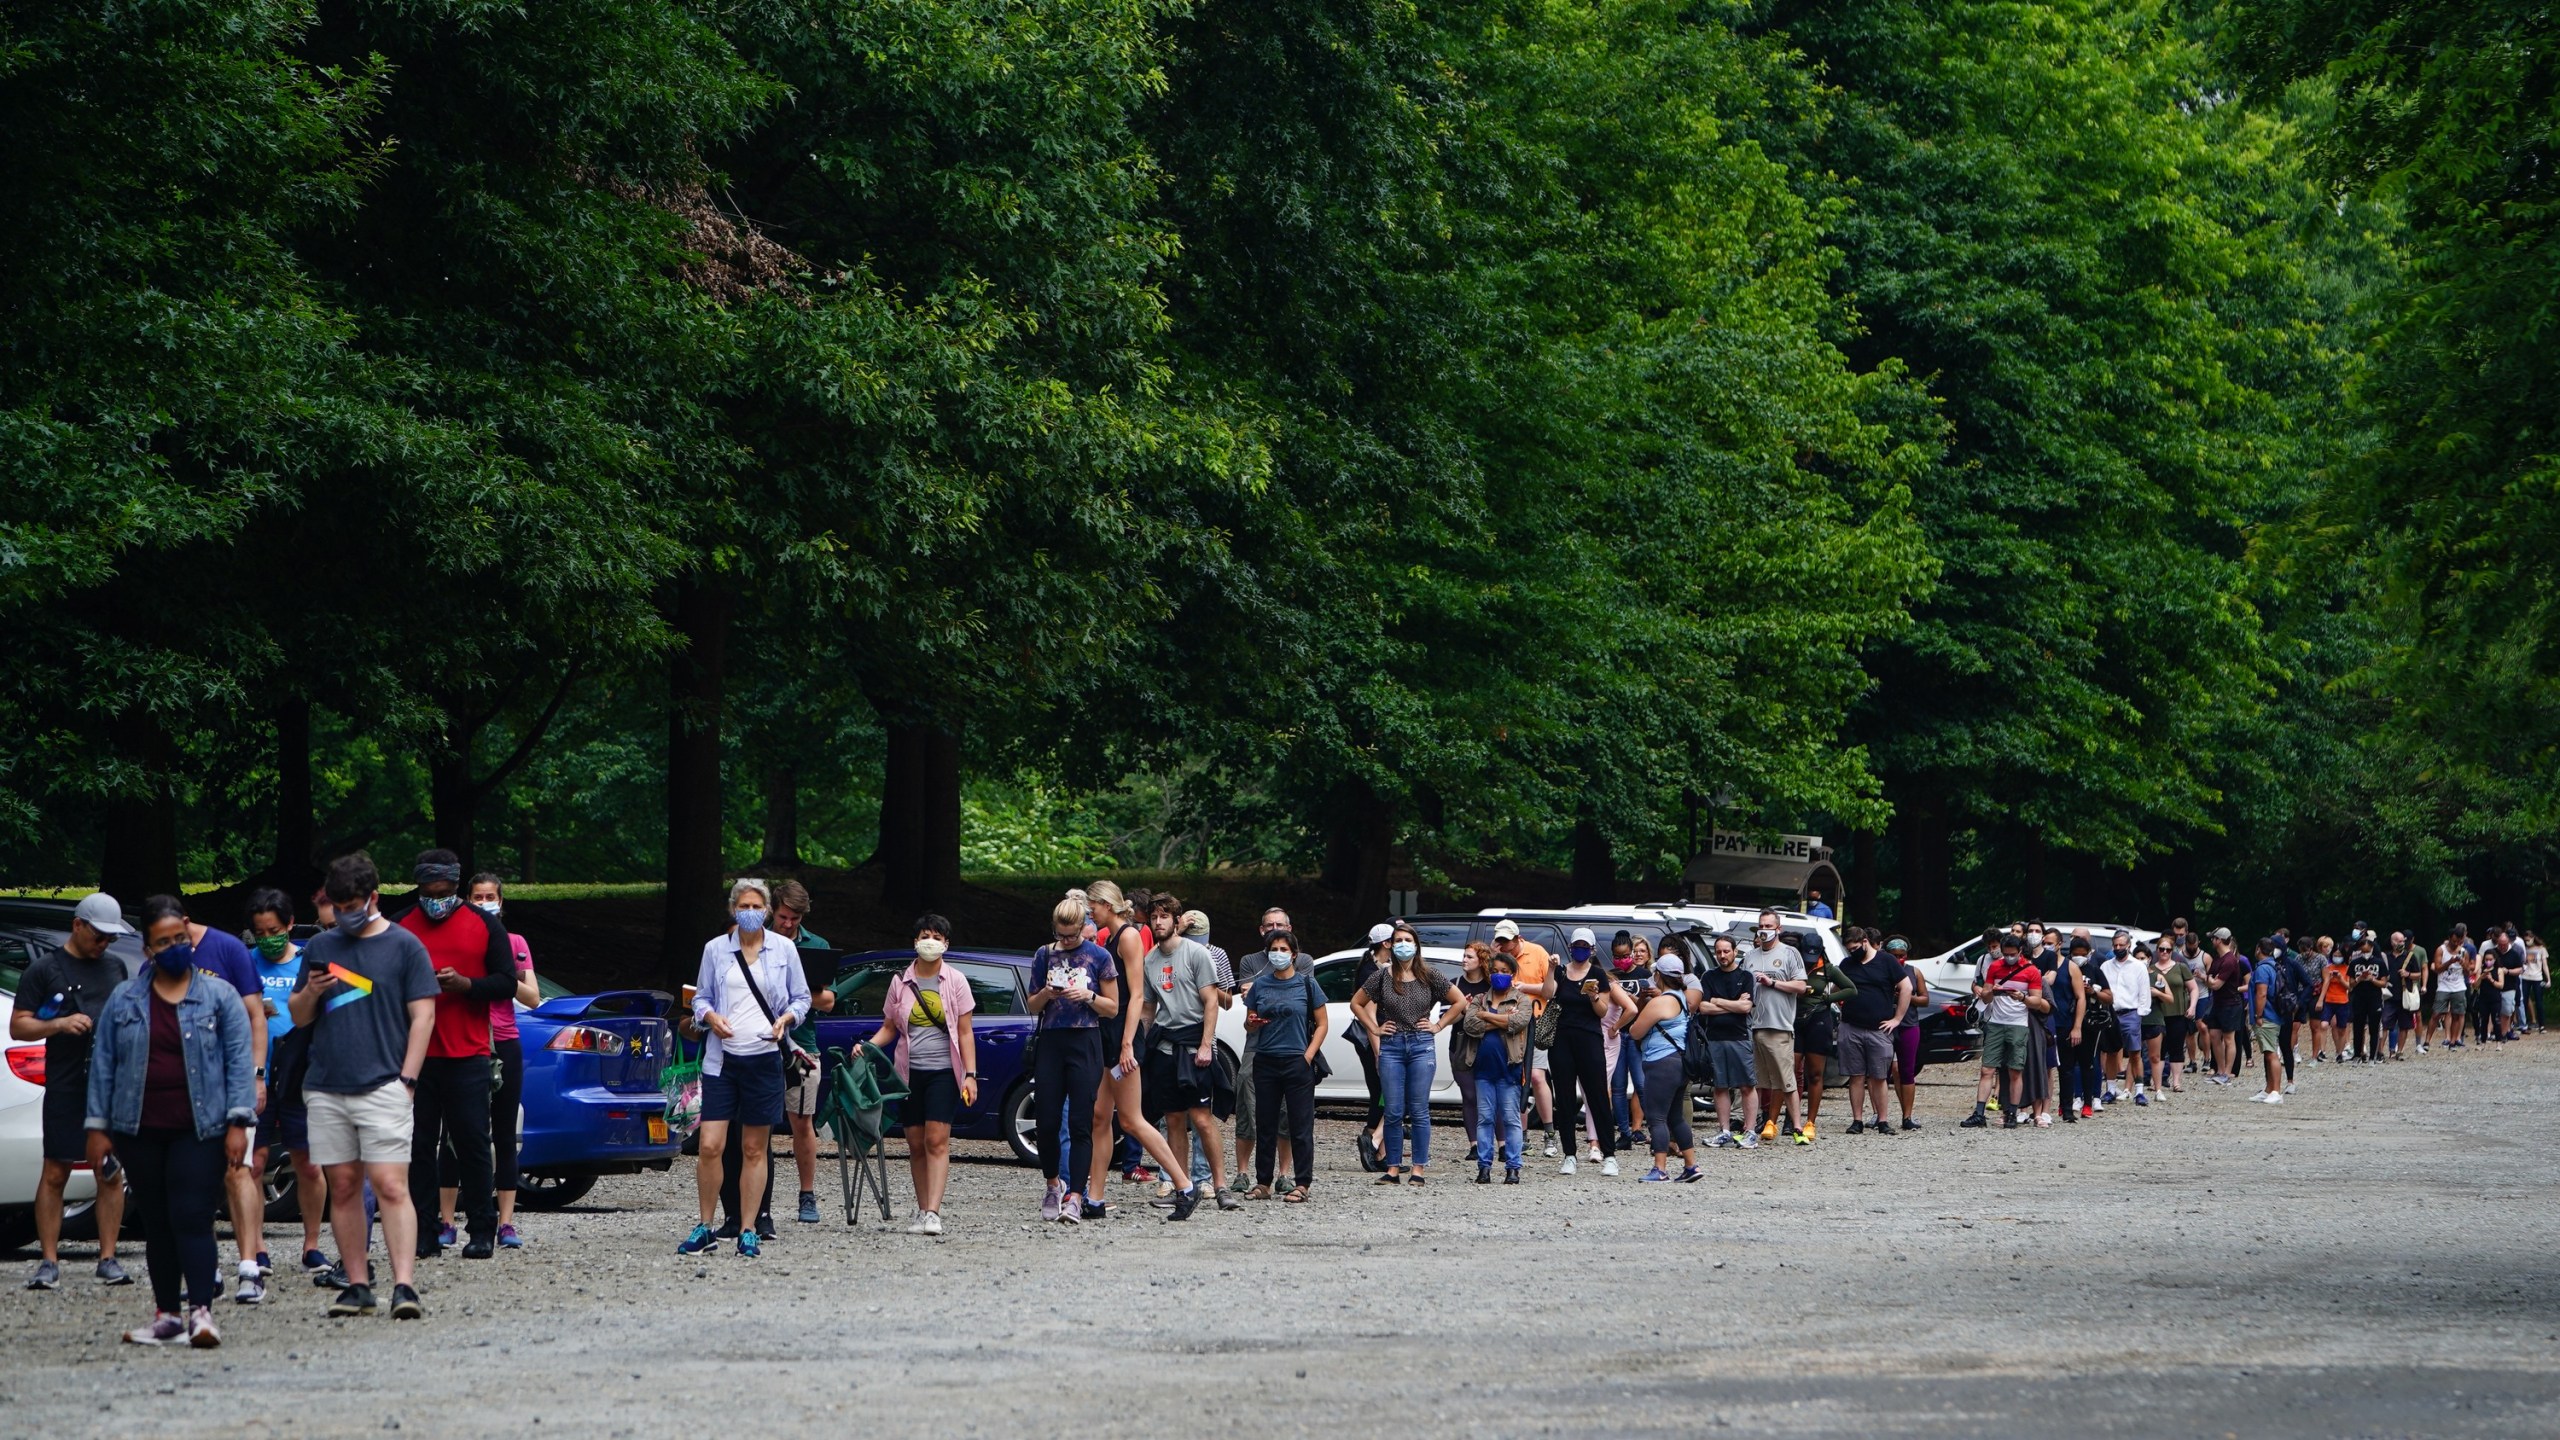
<point x="1533" y="964"/>
<point x="2334" y="992"/>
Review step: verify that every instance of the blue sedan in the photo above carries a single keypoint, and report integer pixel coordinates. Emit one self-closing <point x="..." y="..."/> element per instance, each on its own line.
<point x="1002" y="1025"/>
<point x="592" y="1102"/>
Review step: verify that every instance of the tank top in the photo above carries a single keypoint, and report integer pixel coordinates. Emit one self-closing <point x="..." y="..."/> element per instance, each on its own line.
<point x="1667" y="1037"/>
<point x="1577" y="1013"/>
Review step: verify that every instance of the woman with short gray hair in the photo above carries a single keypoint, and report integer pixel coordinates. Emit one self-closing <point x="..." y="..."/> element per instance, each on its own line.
<point x="747" y="996"/>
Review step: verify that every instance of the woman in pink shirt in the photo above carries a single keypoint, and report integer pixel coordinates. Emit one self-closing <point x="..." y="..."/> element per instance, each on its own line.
<point x="925" y="1017"/>
<point x="507" y="1096"/>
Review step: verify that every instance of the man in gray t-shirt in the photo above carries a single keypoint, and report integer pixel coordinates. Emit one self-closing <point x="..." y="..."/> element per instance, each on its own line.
<point x="1181" y="1081"/>
<point x="1773" y="1007"/>
<point x="361" y="1035"/>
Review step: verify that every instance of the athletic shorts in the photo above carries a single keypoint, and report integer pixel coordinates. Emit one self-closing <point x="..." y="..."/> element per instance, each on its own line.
<point x="2453" y="1002"/>
<point x="372" y="1128"/>
<point x="1773" y="1057"/>
<point x="2231" y="1019"/>
<point x="748" y="1090"/>
<point x="1818" y="1033"/>
<point x="933" y="1098"/>
<point x="2129" y="1030"/>
<point x="2269" y="1040"/>
<point x="1906" y="1051"/>
<point x="2341" y="1013"/>
<point x="66" y="1120"/>
<point x="1865" y="1054"/>
<point x="1732" y="1062"/>
<point x="285" y="1127"/>
<point x="2004" y="1047"/>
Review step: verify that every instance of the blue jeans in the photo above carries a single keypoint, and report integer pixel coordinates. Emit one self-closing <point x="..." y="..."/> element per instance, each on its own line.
<point x="1407" y="1062"/>
<point x="1625" y="1080"/>
<point x="1498" y="1107"/>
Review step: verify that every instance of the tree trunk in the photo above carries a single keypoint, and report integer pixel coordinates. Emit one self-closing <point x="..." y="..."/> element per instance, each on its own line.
<point x="781" y="815"/>
<point x="1928" y="898"/>
<point x="1595" y="864"/>
<point x="141" y="830"/>
<point x="2035" y="868"/>
<point x="696" y="904"/>
<point x="296" y="867"/>
<point x="527" y="832"/>
<point x="919" y="851"/>
<point x="455" y="801"/>
<point x="2090" y="897"/>
<point x="1358" y="850"/>
<point x="1861" y="901"/>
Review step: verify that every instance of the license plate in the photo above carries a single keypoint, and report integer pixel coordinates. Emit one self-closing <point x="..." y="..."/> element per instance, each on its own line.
<point x="657" y="1129"/>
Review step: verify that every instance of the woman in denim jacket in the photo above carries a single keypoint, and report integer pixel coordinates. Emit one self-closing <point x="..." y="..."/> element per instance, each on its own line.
<point x="172" y="1090"/>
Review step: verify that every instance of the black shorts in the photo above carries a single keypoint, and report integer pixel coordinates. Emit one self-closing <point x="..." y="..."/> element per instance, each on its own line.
<point x="284" y="1127"/>
<point x="747" y="1090"/>
<point x="66" y="1120"/>
<point x="2231" y="1019"/>
<point x="933" y="1098"/>
<point x="1818" y="1033"/>
<point x="1163" y="1092"/>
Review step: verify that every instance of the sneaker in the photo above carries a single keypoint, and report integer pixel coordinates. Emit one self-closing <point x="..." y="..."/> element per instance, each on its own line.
<point x="2087" y="1112"/>
<point x="764" y="1226"/>
<point x="1184" y="1202"/>
<point x="1138" y="1175"/>
<point x="2275" y="1097"/>
<point x="933" y="1222"/>
<point x="313" y="1262"/>
<point x="355" y="1300"/>
<point x="1724" y="1141"/>
<point x="163" y="1328"/>
<point x="1769" y="1131"/>
<point x="2070" y="1118"/>
<point x="1655" y="1176"/>
<point x="264" y="1269"/>
<point x="1164" y="1189"/>
<point x="1691" y="1175"/>
<point x="404" y="1303"/>
<point x="917" y="1226"/>
<point x="728" y="1230"/>
<point x="2141" y="1099"/>
<point x="1484" y="1174"/>
<point x="200" y="1331"/>
<point x="1070" y="1208"/>
<point x="808" y="1207"/>
<point x="1097" y="1209"/>
<point x="2422" y="1047"/>
<point x="478" y="1247"/>
<point x="1049" y="1205"/>
<point x="1567" y="1167"/>
<point x="1609" y="1166"/>
<point x="1227" y="1200"/>
<point x="1552" y="1150"/>
<point x="445" y="1235"/>
<point x="2288" y="1087"/>
<point x="47" y="1276"/>
<point x="1974" y="1121"/>
<point x="1857" y="1127"/>
<point x="702" y="1240"/>
<point x="509" y="1239"/>
<point x="1749" y="1141"/>
<point x="329" y="1278"/>
<point x="1910" y="1124"/>
<point x="1804" y="1137"/>
<point x="2008" y="1120"/>
<point x="750" y="1246"/>
<point x="1880" y="1128"/>
<point x="112" y="1272"/>
<point x="1593" y="1155"/>
<point x="250" y="1291"/>
<point x="2044" y="1122"/>
<point x="1511" y="1175"/>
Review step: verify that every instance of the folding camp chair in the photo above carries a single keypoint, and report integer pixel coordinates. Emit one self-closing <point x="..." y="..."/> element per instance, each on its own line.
<point x="860" y="1086"/>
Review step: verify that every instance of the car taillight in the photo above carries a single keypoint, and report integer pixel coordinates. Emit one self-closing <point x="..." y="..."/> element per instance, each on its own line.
<point x="1955" y="1011"/>
<point x="589" y="1040"/>
<point x="27" y="1063"/>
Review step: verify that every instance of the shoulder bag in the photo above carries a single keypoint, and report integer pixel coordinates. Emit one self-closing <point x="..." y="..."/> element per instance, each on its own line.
<point x="796" y="1063"/>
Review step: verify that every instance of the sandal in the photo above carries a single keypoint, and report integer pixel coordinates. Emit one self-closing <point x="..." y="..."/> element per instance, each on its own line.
<point x="1295" y="1197"/>
<point x="1259" y="1192"/>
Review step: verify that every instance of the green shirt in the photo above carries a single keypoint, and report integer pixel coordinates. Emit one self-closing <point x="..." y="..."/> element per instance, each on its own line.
<point x="2181" y="985"/>
<point x="1825" y="985"/>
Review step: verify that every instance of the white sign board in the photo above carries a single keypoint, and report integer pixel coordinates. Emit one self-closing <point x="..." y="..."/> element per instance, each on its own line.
<point x="1790" y="849"/>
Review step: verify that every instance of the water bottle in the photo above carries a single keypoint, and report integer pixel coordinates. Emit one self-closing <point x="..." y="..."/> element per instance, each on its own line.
<point x="51" y="1008"/>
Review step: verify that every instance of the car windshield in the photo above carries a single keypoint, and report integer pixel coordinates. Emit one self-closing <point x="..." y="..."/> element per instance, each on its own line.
<point x="551" y="989"/>
<point x="861" y="991"/>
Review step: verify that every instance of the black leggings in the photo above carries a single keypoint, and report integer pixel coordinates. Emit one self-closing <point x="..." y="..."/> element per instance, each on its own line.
<point x="1284" y="1085"/>
<point x="452" y="1106"/>
<point x="503" y="1104"/>
<point x="177" y="1180"/>
<point x="1666" y="1103"/>
<point x="1066" y="1071"/>
<point x="1366" y="1047"/>
<point x="2368" y="1024"/>
<point x="1580" y="1062"/>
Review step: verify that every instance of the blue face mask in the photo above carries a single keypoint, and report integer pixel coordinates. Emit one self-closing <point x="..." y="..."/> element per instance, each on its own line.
<point x="439" y="906"/>
<point x="1404" y="950"/>
<point x="352" y="922"/>
<point x="750" y="920"/>
<point x="1281" y="960"/>
<point x="1501" y="981"/>
<point x="174" y="958"/>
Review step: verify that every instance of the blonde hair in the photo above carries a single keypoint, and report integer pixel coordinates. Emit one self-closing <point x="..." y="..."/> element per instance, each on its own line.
<point x="1106" y="895"/>
<point x="1069" y="911"/>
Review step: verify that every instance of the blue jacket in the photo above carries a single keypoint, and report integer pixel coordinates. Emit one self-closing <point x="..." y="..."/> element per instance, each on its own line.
<point x="213" y="1034"/>
<point x="777" y="974"/>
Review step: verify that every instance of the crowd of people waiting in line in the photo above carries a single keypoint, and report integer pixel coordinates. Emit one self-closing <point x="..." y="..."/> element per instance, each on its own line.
<point x="382" y="1056"/>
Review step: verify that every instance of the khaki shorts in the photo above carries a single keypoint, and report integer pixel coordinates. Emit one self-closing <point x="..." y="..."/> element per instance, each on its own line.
<point x="1773" y="1057"/>
<point x="2453" y="1002"/>
<point x="802" y="1099"/>
<point x="2268" y="1038"/>
<point x="372" y="1127"/>
<point x="2004" y="1047"/>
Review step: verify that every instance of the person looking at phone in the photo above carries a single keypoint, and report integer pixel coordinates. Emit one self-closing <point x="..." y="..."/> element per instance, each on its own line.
<point x="2006" y="980"/>
<point x="747" y="996"/>
<point x="1777" y="978"/>
<point x="1072" y="1002"/>
<point x="925" y="1017"/>
<point x="475" y="968"/>
<point x="1578" y="1060"/>
<point x="1285" y="1024"/>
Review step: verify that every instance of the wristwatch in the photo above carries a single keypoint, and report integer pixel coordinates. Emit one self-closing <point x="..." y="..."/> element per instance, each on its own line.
<point x="972" y="1074"/>
<point x="260" y="1073"/>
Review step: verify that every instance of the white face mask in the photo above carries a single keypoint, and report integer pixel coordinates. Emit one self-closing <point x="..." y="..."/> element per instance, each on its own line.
<point x="929" y="948"/>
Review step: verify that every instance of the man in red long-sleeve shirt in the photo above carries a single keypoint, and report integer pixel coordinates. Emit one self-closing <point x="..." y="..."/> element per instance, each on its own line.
<point x="474" y="968"/>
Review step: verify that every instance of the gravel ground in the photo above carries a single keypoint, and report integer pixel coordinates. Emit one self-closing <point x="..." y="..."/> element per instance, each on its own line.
<point x="2366" y="1260"/>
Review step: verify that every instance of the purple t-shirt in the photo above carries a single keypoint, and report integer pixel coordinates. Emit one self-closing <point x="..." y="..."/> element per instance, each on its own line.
<point x="1087" y="967"/>
<point x="221" y="955"/>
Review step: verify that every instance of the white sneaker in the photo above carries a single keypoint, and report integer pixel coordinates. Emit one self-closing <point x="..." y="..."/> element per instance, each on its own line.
<point x="200" y="1331"/>
<point x="1567" y="1167"/>
<point x="2288" y="1087"/>
<point x="1552" y="1151"/>
<point x="2422" y="1049"/>
<point x="250" y="1290"/>
<point x="922" y="1224"/>
<point x="1609" y="1166"/>
<point x="1593" y="1153"/>
<point x="933" y="1222"/>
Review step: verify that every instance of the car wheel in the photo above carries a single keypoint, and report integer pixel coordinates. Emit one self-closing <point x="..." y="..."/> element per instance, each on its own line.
<point x="552" y="1192"/>
<point x="17" y="1230"/>
<point x="280" y="1188"/>
<point x="1019" y="1131"/>
<point x="80" y="1220"/>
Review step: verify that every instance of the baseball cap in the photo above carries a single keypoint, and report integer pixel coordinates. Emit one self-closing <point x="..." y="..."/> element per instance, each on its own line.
<point x="103" y="914"/>
<point x="2222" y="932"/>
<point x="1582" y="936"/>
<point x="1505" y="930"/>
<point x="1669" y="965"/>
<point x="1379" y="932"/>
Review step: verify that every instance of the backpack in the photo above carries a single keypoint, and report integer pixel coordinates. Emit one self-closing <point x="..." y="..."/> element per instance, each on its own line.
<point x="1697" y="1062"/>
<point x="2293" y="989"/>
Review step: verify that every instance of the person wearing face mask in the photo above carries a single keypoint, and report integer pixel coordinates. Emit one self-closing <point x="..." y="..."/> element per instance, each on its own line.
<point x="1496" y="1025"/>
<point x="220" y="954"/>
<point x="1249" y="968"/>
<point x="1399" y="1005"/>
<point x="1818" y="1026"/>
<point x="172" y="1092"/>
<point x="281" y="1123"/>
<point x="747" y="996"/>
<point x="1906" y="1038"/>
<point x="1284" y="1025"/>
<point x="60" y="998"/>
<point x="475" y="968"/>
<point x="487" y="894"/>
<point x="1631" y="965"/>
<point x="800" y="1102"/>
<point x="1587" y="992"/>
<point x="924" y="1023"/>
<point x="1777" y="981"/>
<point x="368" y="996"/>
<point x="1475" y="980"/>
<point x="1661" y="1032"/>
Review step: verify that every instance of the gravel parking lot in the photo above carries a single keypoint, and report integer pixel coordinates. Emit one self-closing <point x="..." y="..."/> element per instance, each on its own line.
<point x="2371" y="1259"/>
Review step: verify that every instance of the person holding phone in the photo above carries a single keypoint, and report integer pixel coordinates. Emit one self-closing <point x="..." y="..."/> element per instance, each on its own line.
<point x="1285" y="1024"/>
<point x="1073" y="999"/>
<point x="1397" y="1004"/>
<point x="748" y="995"/>
<point x="924" y="1023"/>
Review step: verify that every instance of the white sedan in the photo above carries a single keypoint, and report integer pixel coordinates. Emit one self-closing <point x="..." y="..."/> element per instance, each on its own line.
<point x="22" y="1145"/>
<point x="1955" y="969"/>
<point x="1335" y="975"/>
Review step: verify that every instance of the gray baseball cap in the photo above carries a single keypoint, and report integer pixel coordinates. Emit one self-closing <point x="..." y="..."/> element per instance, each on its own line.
<point x="103" y="914"/>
